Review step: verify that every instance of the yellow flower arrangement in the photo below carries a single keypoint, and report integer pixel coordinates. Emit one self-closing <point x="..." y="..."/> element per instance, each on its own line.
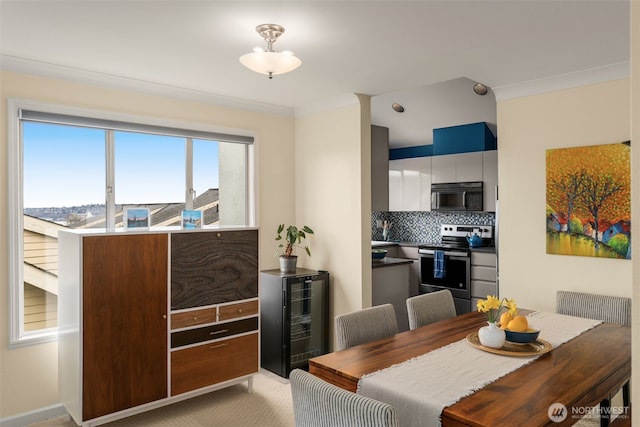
<point x="493" y="306"/>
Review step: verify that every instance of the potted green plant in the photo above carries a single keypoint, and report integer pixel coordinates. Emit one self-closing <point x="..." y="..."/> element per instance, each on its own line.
<point x="290" y="238"/>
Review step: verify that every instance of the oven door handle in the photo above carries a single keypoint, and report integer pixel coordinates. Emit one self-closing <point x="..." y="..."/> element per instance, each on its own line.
<point x="463" y="255"/>
<point x="464" y="199"/>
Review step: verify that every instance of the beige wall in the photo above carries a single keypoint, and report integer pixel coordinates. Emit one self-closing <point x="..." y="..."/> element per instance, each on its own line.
<point x="333" y="197"/>
<point x="527" y="127"/>
<point x="29" y="374"/>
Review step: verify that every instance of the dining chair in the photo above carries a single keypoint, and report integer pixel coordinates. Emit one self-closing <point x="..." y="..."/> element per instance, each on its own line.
<point x="368" y="324"/>
<point x="607" y="308"/>
<point x="610" y="309"/>
<point x="316" y="403"/>
<point x="430" y="307"/>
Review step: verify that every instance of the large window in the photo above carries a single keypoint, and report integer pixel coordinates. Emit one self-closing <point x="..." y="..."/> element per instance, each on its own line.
<point x="71" y="171"/>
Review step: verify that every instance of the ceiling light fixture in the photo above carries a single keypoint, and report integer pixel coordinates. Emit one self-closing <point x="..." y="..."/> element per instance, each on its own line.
<point x="397" y="107"/>
<point x="268" y="61"/>
<point x="480" y="89"/>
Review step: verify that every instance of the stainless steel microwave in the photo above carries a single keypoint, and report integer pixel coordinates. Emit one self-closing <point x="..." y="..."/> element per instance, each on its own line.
<point x="457" y="196"/>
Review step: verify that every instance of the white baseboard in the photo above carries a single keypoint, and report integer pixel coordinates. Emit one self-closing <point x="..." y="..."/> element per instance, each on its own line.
<point x="22" y="420"/>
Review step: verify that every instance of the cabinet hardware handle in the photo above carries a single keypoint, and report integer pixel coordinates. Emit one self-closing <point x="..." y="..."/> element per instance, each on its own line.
<point x="221" y="331"/>
<point x="239" y="310"/>
<point x="218" y="346"/>
<point x="164" y="316"/>
<point x="195" y="317"/>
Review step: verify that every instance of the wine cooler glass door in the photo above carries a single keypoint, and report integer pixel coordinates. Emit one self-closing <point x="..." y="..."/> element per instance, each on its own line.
<point x="308" y="305"/>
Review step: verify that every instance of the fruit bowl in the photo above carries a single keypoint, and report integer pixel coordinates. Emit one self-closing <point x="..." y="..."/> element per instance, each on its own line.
<point x="378" y="254"/>
<point x="528" y="336"/>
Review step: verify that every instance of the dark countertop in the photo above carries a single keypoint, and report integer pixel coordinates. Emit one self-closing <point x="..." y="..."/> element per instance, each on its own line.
<point x="389" y="262"/>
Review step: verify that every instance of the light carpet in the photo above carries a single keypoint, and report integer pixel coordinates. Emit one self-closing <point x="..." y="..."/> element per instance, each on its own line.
<point x="269" y="405"/>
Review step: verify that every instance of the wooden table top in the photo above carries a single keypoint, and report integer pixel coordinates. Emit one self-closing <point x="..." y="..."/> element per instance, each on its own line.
<point x="578" y="374"/>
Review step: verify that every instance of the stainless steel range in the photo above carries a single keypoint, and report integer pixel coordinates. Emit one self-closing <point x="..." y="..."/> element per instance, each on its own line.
<point x="455" y="254"/>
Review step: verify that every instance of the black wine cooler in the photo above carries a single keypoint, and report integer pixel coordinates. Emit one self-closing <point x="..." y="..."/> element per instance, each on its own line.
<point x="294" y="316"/>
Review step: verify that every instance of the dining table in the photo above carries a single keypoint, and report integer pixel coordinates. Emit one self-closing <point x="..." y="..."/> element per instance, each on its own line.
<point x="574" y="376"/>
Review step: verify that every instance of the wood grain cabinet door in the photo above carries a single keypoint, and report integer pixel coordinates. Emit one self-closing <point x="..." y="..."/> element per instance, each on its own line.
<point x="124" y="300"/>
<point x="210" y="268"/>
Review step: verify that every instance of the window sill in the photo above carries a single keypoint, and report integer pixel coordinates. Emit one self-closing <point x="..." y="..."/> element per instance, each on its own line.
<point x="34" y="338"/>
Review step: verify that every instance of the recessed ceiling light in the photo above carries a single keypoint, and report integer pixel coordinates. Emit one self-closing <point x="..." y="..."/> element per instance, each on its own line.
<point x="397" y="107"/>
<point x="480" y="89"/>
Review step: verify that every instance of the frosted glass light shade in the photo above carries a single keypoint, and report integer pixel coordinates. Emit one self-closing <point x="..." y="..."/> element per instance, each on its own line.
<point x="270" y="63"/>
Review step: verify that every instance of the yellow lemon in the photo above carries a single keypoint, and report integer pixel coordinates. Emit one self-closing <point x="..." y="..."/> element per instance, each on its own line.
<point x="505" y="318"/>
<point x="518" y="324"/>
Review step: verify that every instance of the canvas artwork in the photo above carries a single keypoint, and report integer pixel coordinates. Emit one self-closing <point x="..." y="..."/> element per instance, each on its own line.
<point x="136" y="218"/>
<point x="589" y="201"/>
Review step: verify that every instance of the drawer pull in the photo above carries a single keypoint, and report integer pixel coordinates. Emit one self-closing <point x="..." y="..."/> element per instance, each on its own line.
<point x="195" y="317"/>
<point x="213" y="347"/>
<point x="239" y="310"/>
<point x="221" y="331"/>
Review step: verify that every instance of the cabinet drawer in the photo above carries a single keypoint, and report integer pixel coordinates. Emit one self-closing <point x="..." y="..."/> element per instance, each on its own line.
<point x="480" y="289"/>
<point x="483" y="258"/>
<point x="192" y="318"/>
<point x="483" y="273"/>
<point x="240" y="309"/>
<point x="208" y="364"/>
<point x="207" y="333"/>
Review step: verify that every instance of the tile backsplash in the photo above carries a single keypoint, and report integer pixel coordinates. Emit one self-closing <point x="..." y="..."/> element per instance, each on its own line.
<point x="424" y="227"/>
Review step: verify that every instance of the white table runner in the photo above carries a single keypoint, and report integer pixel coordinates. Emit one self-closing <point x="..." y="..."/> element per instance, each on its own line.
<point x="420" y="388"/>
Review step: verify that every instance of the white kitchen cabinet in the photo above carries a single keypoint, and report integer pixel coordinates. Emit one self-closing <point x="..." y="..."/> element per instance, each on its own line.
<point x="490" y="179"/>
<point x="410" y="184"/>
<point x="462" y="167"/>
<point x="395" y="187"/>
<point x="469" y="166"/>
<point x="443" y="168"/>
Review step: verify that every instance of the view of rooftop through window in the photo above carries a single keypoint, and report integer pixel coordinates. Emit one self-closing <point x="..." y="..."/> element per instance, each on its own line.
<point x="65" y="176"/>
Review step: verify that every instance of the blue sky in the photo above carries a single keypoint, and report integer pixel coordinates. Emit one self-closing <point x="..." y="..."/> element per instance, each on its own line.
<point x="65" y="166"/>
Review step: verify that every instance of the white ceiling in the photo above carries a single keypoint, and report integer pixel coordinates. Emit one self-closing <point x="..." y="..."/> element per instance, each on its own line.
<point x="368" y="47"/>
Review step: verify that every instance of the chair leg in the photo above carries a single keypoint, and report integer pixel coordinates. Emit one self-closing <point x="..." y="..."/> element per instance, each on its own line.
<point x="605" y="412"/>
<point x="625" y="394"/>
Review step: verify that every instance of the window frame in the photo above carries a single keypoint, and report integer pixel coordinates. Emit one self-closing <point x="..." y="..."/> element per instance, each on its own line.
<point x="17" y="336"/>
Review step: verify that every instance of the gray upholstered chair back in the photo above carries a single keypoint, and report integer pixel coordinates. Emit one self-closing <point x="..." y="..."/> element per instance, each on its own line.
<point x="429" y="308"/>
<point x="365" y="325"/>
<point x="317" y="403"/>
<point x="607" y="308"/>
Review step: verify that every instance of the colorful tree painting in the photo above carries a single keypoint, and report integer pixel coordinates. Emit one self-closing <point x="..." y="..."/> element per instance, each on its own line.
<point x="589" y="201"/>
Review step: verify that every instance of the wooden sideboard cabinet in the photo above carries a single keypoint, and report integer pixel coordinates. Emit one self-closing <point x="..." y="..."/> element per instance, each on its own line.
<point x="147" y="316"/>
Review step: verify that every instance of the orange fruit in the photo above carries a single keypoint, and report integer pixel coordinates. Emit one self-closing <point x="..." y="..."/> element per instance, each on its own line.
<point x="505" y="318"/>
<point x="518" y="324"/>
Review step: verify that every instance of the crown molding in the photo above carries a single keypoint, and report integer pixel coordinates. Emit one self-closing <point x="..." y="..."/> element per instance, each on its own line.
<point x="611" y="72"/>
<point x="76" y="75"/>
